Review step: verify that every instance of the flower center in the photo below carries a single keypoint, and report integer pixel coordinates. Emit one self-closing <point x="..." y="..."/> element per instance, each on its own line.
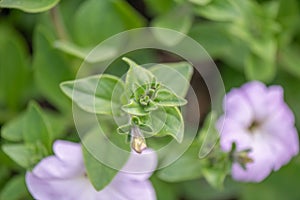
<point x="254" y="126"/>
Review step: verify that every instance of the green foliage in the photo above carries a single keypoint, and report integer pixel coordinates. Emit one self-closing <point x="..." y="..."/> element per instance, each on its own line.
<point x="254" y="27"/>
<point x="96" y="94"/>
<point x="13" y="131"/>
<point x="289" y="59"/>
<point x="15" y="71"/>
<point x="87" y="18"/>
<point x="98" y="17"/>
<point x="167" y="121"/>
<point x="51" y="68"/>
<point x="157" y="7"/>
<point x="36" y="133"/>
<point x="99" y="174"/>
<point x="31" y="6"/>
<point x="100" y="154"/>
<point x="166" y="73"/>
<point x="21" y="154"/>
<point x="213" y="164"/>
<point x="167" y="98"/>
<point x="102" y="52"/>
<point x="15" y="189"/>
<point x="179" y="19"/>
<point x="218" y="163"/>
<point x="187" y="167"/>
<point x="137" y="76"/>
<point x="164" y="190"/>
<point x="35" y="128"/>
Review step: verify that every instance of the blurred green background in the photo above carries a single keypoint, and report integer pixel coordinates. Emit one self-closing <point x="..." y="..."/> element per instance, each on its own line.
<point x="43" y="44"/>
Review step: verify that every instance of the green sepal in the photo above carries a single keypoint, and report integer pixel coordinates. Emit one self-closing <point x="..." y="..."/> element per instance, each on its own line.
<point x="124" y="129"/>
<point x="145" y="127"/>
<point x="134" y="108"/>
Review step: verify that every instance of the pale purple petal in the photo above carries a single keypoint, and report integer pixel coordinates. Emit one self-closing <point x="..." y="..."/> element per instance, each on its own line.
<point x="64" y="189"/>
<point x="256" y="94"/>
<point x="274" y="98"/>
<point x="280" y="126"/>
<point x="232" y="131"/>
<point x="281" y="151"/>
<point x="236" y="103"/>
<point x="122" y="188"/>
<point x="62" y="166"/>
<point x="140" y="166"/>
<point x="52" y="167"/>
<point x="260" y="168"/>
<point x="68" y="151"/>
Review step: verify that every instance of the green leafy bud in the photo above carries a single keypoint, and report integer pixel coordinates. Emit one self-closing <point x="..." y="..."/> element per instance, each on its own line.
<point x="166" y="97"/>
<point x="124" y="129"/>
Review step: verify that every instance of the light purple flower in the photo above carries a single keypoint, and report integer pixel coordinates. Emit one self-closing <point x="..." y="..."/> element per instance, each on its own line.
<point x="63" y="176"/>
<point x="257" y="118"/>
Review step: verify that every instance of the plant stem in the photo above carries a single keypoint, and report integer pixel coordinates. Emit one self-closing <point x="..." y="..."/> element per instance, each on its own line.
<point x="58" y="24"/>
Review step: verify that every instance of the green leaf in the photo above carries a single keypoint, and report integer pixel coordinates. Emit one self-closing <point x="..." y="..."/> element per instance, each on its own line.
<point x="91" y="55"/>
<point x="200" y="2"/>
<point x="164" y="190"/>
<point x="166" y="121"/>
<point x="175" y="76"/>
<point x="14" y="68"/>
<point x="179" y="19"/>
<point x="213" y="37"/>
<point x="96" y="94"/>
<point x="4" y="172"/>
<point x="99" y="174"/>
<point x="191" y="190"/>
<point x="187" y="167"/>
<point x="217" y="167"/>
<point x="95" y="21"/>
<point x="134" y="108"/>
<point x="157" y="7"/>
<point x="101" y="146"/>
<point x="214" y="177"/>
<point x="289" y="59"/>
<point x="137" y="76"/>
<point x="290" y="85"/>
<point x="131" y="17"/>
<point x="13" y="130"/>
<point x="221" y="10"/>
<point x="50" y="68"/>
<point x="167" y="98"/>
<point x="218" y="163"/>
<point x="57" y="123"/>
<point x="35" y="128"/>
<point x="31" y="6"/>
<point x="259" y="68"/>
<point x="288" y="17"/>
<point x="15" y="189"/>
<point x="24" y="155"/>
<point x="208" y="135"/>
